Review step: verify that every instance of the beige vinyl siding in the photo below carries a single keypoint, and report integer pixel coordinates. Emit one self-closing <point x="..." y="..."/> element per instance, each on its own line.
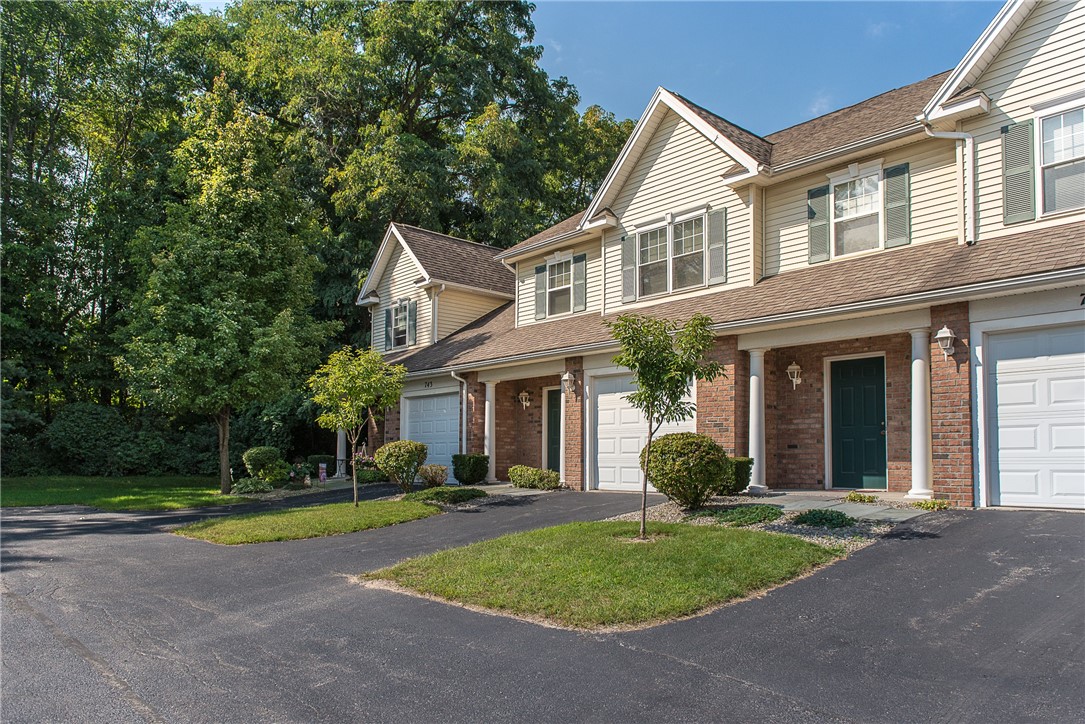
<point x="397" y="283"/>
<point x="1043" y="61"/>
<point x="525" y="280"/>
<point x="934" y="199"/>
<point x="679" y="170"/>
<point x="456" y="309"/>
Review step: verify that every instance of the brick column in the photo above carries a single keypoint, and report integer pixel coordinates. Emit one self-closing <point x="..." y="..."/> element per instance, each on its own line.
<point x="721" y="406"/>
<point x="476" y="413"/>
<point x="574" y="426"/>
<point x="951" y="407"/>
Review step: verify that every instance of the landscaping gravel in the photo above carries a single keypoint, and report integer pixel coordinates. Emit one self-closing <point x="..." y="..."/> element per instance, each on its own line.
<point x="850" y="538"/>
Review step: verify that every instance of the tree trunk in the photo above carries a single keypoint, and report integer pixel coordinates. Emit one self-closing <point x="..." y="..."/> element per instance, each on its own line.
<point x="354" y="466"/>
<point x="644" y="487"/>
<point x="223" y="421"/>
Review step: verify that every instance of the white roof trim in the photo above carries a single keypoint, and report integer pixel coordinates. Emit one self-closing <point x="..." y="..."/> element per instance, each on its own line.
<point x="384" y="253"/>
<point x="663" y="97"/>
<point x="975" y="61"/>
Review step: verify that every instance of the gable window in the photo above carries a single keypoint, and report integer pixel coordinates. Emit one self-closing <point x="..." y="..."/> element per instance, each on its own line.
<point x="559" y="294"/>
<point x="856" y="215"/>
<point x="684" y="254"/>
<point x="862" y="209"/>
<point x="653" y="261"/>
<point x="1062" y="161"/>
<point x="399" y="324"/>
<point x="688" y="252"/>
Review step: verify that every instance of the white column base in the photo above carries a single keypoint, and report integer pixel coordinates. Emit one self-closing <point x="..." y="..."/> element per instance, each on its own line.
<point x="919" y="495"/>
<point x="755" y="490"/>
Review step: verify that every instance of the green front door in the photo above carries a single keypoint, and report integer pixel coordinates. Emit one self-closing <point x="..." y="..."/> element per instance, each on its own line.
<point x="553" y="429"/>
<point x="858" y="423"/>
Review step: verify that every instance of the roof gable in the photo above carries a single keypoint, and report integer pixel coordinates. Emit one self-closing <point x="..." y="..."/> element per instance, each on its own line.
<point x="391" y="240"/>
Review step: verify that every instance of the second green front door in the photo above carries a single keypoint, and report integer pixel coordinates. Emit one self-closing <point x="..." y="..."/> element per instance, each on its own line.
<point x="553" y="429"/>
<point x="858" y="423"/>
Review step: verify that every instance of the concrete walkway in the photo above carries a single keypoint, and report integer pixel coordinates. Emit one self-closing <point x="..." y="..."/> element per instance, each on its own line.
<point x="883" y="511"/>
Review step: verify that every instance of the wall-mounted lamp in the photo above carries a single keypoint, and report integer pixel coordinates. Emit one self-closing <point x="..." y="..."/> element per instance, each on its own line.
<point x="945" y="338"/>
<point x="525" y="399"/>
<point x="794" y="373"/>
<point x="568" y="383"/>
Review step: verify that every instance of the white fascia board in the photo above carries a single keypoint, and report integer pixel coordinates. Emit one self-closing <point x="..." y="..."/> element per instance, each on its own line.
<point x="949" y="112"/>
<point x="975" y="61"/>
<point x="576" y="235"/>
<point x="434" y="282"/>
<point x="384" y="253"/>
<point x="663" y="97"/>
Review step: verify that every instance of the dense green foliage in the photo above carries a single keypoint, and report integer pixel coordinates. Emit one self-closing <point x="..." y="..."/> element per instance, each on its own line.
<point x="686" y="467"/>
<point x="664" y="360"/>
<point x="434" y="476"/>
<point x="743" y="515"/>
<point x="119" y="150"/>
<point x="551" y="572"/>
<point x="856" y="497"/>
<point x="369" y="476"/>
<point x="260" y="457"/>
<point x="400" y="461"/>
<point x="116" y="493"/>
<point x="524" y="476"/>
<point x="824" y="518"/>
<point x="309" y="522"/>
<point x="933" y="504"/>
<point x="470" y="468"/>
<point x="446" y="495"/>
<point x="246" y="486"/>
<point x="737" y="477"/>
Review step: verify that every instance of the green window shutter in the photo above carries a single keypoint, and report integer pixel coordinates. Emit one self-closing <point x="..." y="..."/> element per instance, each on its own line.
<point x="717" y="247"/>
<point x="629" y="268"/>
<point x="817" y="213"/>
<point x="580" y="282"/>
<point x="540" y="291"/>
<point x="1018" y="167"/>
<point x="898" y="206"/>
<point x="388" y="329"/>
<point x="412" y="322"/>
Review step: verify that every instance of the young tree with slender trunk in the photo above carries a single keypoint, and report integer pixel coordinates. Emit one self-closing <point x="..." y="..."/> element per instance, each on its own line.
<point x="351" y="388"/>
<point x="664" y="360"/>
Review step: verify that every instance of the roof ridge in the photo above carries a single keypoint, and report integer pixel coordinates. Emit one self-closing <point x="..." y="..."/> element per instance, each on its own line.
<point x="447" y="236"/>
<point x="857" y="103"/>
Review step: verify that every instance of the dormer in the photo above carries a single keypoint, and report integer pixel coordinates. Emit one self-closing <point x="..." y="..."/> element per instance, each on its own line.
<point x="424" y="285"/>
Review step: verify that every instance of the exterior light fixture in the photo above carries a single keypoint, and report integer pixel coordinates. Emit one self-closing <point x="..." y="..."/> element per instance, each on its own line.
<point x="945" y="338"/>
<point x="525" y="399"/>
<point x="794" y="373"/>
<point x="568" y="383"/>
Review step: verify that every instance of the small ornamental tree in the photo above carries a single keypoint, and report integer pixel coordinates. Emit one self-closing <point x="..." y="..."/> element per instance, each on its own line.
<point x="664" y="360"/>
<point x="351" y="389"/>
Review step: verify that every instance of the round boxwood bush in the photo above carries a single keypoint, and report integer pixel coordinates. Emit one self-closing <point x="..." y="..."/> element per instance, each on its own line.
<point x="400" y="461"/>
<point x="686" y="467"/>
<point x="434" y="476"/>
<point x="470" y="469"/>
<point x="524" y="476"/>
<point x="737" y="477"/>
<point x="824" y="518"/>
<point x="258" y="458"/>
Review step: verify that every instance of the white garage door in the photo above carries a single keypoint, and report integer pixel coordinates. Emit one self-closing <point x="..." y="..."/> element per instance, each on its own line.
<point x="621" y="433"/>
<point x="435" y="421"/>
<point x="1036" y="417"/>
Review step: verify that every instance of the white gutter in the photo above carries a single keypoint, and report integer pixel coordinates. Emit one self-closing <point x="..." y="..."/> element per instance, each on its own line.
<point x="463" y="411"/>
<point x="968" y="160"/>
<point x="434" y="307"/>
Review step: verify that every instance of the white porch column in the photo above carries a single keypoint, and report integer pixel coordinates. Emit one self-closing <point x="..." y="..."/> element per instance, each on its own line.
<point x="921" y="414"/>
<point x="489" y="446"/>
<point x="341" y="454"/>
<point x="561" y="434"/>
<point x="757" y="422"/>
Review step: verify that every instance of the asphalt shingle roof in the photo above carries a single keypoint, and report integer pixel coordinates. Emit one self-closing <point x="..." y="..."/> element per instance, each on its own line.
<point x="458" y="261"/>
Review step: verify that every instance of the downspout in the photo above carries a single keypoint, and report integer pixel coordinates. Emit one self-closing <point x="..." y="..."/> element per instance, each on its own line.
<point x="436" y="291"/>
<point x="463" y="411"/>
<point x="969" y="176"/>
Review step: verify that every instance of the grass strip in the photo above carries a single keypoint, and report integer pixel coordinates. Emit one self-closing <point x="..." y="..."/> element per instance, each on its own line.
<point x="446" y="495"/>
<point x="594" y="575"/>
<point x="316" y="521"/>
<point x="120" y="493"/>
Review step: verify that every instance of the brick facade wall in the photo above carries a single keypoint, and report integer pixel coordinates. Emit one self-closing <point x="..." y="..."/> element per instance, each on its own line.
<point x="574" y="426"/>
<point x="519" y="430"/>
<point x="795" y="419"/>
<point x="391" y="425"/>
<point x="723" y="404"/>
<point x="476" y="414"/>
<point x="951" y="407"/>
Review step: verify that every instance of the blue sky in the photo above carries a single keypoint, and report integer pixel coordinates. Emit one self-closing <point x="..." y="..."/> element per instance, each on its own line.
<point x="762" y="65"/>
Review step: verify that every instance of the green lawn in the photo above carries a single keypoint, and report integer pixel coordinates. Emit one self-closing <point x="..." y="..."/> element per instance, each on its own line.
<point x="313" y="522"/>
<point x="124" y="493"/>
<point x="592" y="575"/>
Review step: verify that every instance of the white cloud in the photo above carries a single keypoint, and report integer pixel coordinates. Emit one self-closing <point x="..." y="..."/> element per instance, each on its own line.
<point x="821" y="104"/>
<point x="880" y="28"/>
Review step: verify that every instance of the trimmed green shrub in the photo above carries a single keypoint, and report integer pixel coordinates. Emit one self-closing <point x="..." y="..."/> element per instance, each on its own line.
<point x="446" y="495"/>
<point x="934" y="504"/>
<point x="368" y="477"/>
<point x="856" y="497"/>
<point x="434" y="476"/>
<point x="246" y="486"/>
<point x="523" y="476"/>
<point x="823" y="518"/>
<point x="737" y="477"/>
<point x="315" y="460"/>
<point x="686" y="467"/>
<point x="743" y="515"/>
<point x="470" y="469"/>
<point x="258" y="458"/>
<point x="400" y="461"/>
<point x="277" y="473"/>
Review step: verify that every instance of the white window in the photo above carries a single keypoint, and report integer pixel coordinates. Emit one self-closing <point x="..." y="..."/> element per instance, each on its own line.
<point x="399" y="324"/>
<point x="857" y="205"/>
<point x="1062" y="161"/>
<point x="559" y="287"/>
<point x="671" y="257"/>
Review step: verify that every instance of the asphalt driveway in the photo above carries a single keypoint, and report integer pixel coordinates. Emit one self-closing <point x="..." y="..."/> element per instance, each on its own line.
<point x="959" y="616"/>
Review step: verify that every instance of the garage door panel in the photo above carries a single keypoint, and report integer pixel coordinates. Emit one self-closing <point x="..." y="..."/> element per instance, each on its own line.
<point x="434" y="420"/>
<point x="1037" y="419"/>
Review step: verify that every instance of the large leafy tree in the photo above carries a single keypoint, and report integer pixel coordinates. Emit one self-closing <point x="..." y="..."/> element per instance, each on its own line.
<point x="664" y="359"/>
<point x="224" y="320"/>
<point x="351" y="389"/>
